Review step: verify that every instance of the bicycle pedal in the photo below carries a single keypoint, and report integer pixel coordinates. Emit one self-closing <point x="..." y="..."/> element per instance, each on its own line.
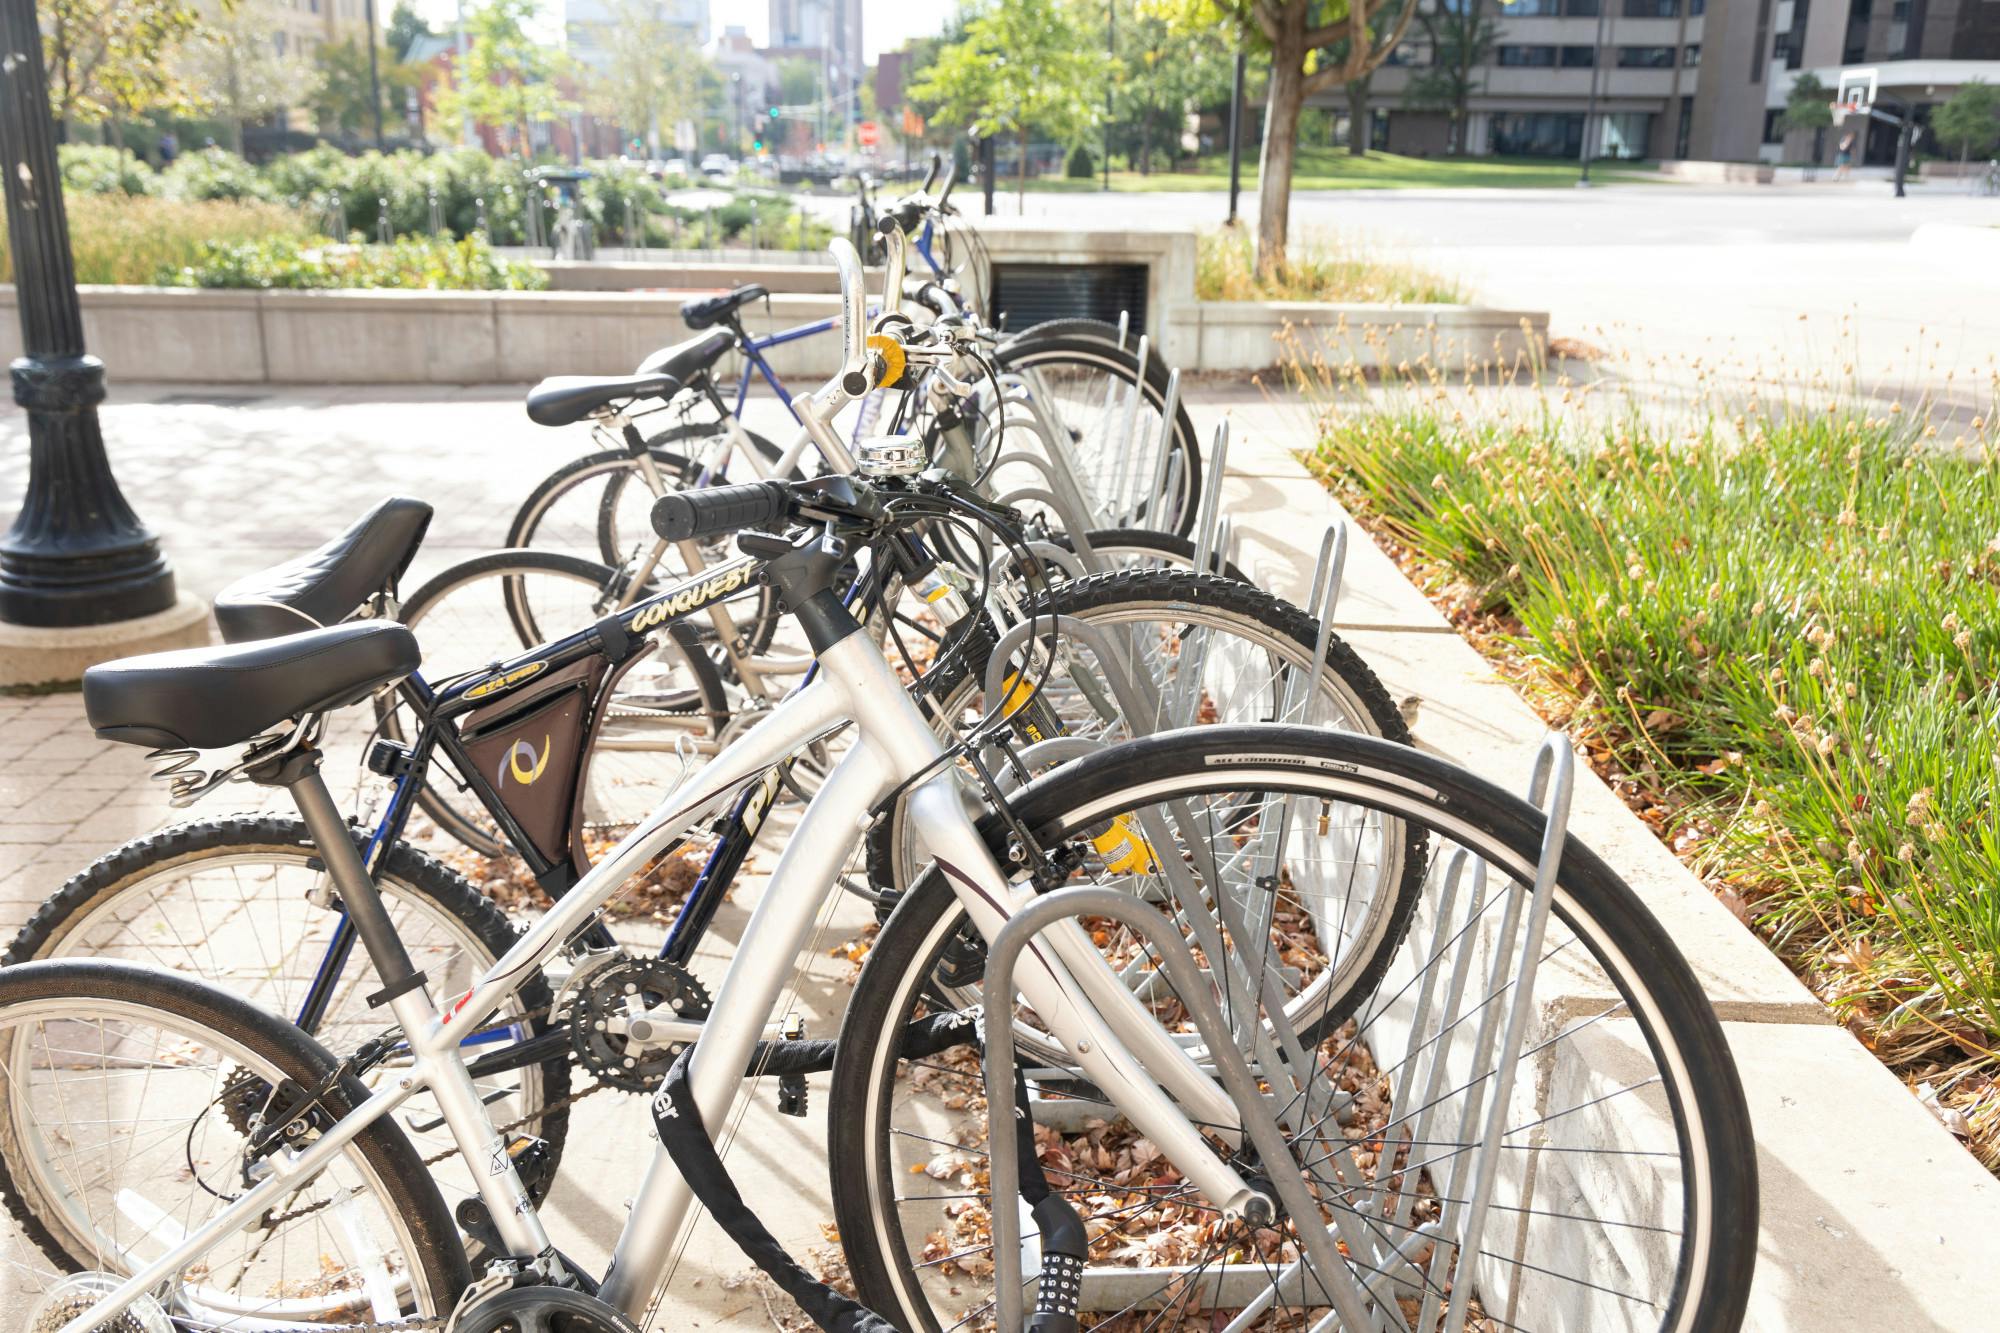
<point x="792" y="1087"/>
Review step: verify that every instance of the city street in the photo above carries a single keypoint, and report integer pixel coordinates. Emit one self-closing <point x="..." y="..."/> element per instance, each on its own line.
<point x="1786" y="279"/>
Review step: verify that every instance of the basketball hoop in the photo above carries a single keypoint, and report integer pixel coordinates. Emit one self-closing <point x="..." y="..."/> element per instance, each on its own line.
<point x="1855" y="95"/>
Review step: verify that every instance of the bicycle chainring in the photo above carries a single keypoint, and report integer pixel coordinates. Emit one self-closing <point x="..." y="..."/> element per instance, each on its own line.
<point x="609" y="997"/>
<point x="541" y="1310"/>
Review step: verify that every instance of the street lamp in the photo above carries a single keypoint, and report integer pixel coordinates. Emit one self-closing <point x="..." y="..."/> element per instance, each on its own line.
<point x="77" y="555"/>
<point x="1590" y="107"/>
<point x="374" y="75"/>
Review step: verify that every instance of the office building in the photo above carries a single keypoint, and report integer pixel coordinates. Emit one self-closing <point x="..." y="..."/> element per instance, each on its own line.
<point x="1701" y="79"/>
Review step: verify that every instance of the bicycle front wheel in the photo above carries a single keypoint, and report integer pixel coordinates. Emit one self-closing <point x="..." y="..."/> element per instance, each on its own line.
<point x="1624" y="1196"/>
<point x="133" y="1098"/>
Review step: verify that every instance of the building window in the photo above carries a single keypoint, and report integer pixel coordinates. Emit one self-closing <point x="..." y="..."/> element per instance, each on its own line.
<point x="1580" y="9"/>
<point x="1651" y="9"/>
<point x="1526" y="57"/>
<point x="1900" y="11"/>
<point x="1691" y="56"/>
<point x="1536" y="134"/>
<point x="1534" y="9"/>
<point x="1645" y="57"/>
<point x="1696" y="8"/>
<point x="1579" y="57"/>
<point x="1772" y="134"/>
<point x="1410" y="54"/>
<point x="1625" y="134"/>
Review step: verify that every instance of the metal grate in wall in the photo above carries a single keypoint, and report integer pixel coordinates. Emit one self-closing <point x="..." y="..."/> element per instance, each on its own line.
<point x="1026" y="294"/>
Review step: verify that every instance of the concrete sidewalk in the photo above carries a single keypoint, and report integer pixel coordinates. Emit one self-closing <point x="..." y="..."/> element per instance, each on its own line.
<point x="1874" y="1218"/>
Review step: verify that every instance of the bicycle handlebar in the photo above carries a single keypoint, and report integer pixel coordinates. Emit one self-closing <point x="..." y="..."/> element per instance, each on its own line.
<point x="950" y="179"/>
<point x="930" y="176"/>
<point x="707" y="511"/>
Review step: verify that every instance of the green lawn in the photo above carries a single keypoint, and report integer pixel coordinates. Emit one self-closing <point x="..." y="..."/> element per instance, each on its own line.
<point x="1335" y="169"/>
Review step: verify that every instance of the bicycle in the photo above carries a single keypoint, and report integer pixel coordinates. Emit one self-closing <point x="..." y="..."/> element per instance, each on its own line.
<point x="539" y="590"/>
<point x="1247" y="652"/>
<point x="1246" y="812"/>
<point x="1081" y="367"/>
<point x="300" y="1111"/>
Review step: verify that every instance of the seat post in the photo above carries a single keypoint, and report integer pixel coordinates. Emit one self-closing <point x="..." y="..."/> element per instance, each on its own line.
<point x="298" y="773"/>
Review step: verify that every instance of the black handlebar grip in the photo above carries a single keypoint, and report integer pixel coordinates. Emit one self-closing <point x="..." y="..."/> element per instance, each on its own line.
<point x="709" y="510"/>
<point x="949" y="182"/>
<point x="930" y="177"/>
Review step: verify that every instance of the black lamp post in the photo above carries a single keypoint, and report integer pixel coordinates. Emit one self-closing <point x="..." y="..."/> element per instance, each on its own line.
<point x="1590" y="106"/>
<point x="77" y="554"/>
<point x="1236" y="136"/>
<point x="374" y="74"/>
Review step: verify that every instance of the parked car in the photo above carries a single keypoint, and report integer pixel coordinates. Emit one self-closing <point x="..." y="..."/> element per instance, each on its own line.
<point x="718" y="164"/>
<point x="675" y="166"/>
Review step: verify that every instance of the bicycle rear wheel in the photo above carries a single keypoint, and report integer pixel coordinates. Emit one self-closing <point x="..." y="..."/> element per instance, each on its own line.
<point x="131" y="1098"/>
<point x="1088" y="383"/>
<point x="1625" y="1195"/>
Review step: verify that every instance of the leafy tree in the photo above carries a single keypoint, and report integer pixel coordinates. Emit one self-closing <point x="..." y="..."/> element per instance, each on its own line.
<point x="1162" y="76"/>
<point x="505" y="78"/>
<point x="1314" y="45"/>
<point x="1022" y="65"/>
<point x="653" y="76"/>
<point x="239" y="73"/>
<point x="405" y="26"/>
<point x="1462" y="37"/>
<point x="340" y="100"/>
<point x="1808" y="106"/>
<point x="111" y="59"/>
<point x="1970" y="121"/>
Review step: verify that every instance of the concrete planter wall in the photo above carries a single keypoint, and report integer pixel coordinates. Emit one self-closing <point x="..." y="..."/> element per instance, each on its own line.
<point x="1735" y="173"/>
<point x="606" y="317"/>
<point x="1255" y="335"/>
<point x="400" y="337"/>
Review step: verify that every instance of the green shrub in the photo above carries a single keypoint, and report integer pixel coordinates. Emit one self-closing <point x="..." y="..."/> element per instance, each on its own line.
<point x="1081" y="165"/>
<point x="89" y="168"/>
<point x="213" y="173"/>
<point x="118" y="238"/>
<point x="410" y="262"/>
<point x="1784" y="632"/>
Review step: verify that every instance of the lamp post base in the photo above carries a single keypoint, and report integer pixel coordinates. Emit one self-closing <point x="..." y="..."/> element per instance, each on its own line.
<point x="77" y="555"/>
<point x="31" y="656"/>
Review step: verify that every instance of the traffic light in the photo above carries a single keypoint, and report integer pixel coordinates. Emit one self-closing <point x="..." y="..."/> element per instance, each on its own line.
<point x="756" y="145"/>
<point x="774" y="113"/>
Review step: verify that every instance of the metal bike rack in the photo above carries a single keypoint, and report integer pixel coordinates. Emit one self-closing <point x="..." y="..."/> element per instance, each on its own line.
<point x="1259" y="1125"/>
<point x="1375" y="1228"/>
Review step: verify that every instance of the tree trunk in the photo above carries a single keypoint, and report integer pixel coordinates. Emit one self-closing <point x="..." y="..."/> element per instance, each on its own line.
<point x="1360" y="127"/>
<point x="1281" y="135"/>
<point x="1021" y="181"/>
